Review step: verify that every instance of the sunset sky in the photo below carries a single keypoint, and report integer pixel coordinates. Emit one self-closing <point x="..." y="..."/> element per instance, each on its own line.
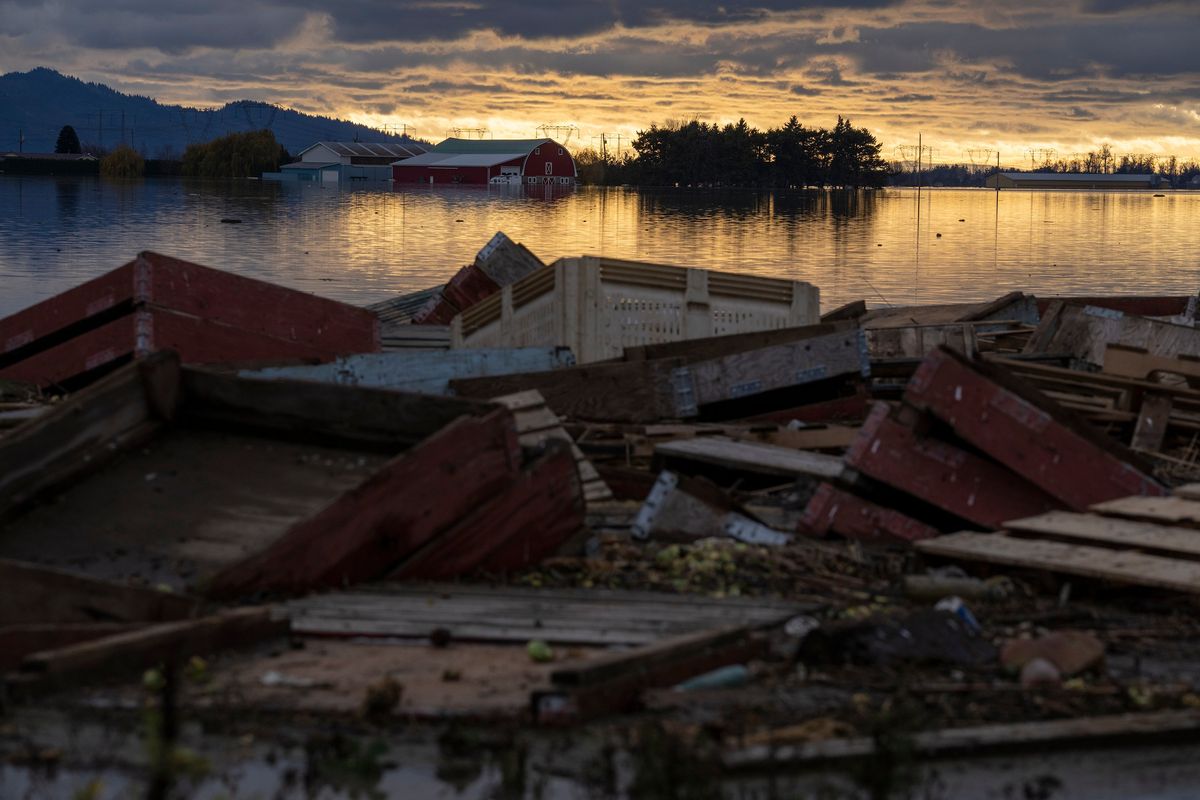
<point x="1066" y="75"/>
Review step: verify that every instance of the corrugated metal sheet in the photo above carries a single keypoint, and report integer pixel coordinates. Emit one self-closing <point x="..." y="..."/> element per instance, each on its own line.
<point x="376" y="149"/>
<point x="522" y="146"/>
<point x="436" y="159"/>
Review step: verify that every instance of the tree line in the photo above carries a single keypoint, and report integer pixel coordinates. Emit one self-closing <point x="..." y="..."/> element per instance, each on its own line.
<point x="699" y="154"/>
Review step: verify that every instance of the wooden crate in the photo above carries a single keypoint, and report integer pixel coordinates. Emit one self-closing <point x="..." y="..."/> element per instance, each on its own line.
<point x="228" y="486"/>
<point x="600" y="306"/>
<point x="156" y="302"/>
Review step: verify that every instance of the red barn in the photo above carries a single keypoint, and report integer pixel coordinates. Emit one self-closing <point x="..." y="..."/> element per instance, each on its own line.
<point x="483" y="161"/>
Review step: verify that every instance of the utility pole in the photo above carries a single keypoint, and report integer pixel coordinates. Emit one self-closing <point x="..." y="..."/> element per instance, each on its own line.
<point x="122" y="126"/>
<point x="100" y="129"/>
<point x="20" y="140"/>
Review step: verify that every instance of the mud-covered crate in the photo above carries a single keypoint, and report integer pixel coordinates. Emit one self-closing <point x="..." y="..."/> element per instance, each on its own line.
<point x="599" y="306"/>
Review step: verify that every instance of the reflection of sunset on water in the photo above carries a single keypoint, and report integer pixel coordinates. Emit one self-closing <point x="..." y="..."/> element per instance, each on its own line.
<point x="365" y="245"/>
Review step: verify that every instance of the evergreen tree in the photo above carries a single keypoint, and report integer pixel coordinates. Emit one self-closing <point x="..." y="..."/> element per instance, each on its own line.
<point x="68" y="141"/>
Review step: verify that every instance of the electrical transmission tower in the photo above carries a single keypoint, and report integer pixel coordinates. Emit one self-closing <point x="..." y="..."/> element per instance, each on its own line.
<point x="468" y="133"/>
<point x="1040" y="155"/>
<point x="605" y="140"/>
<point x="565" y="131"/>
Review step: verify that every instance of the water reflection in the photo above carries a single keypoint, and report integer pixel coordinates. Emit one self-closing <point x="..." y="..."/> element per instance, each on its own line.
<point x="365" y="244"/>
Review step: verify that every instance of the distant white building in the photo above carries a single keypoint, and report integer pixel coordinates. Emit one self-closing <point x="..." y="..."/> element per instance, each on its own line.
<point x="335" y="162"/>
<point x="1071" y="180"/>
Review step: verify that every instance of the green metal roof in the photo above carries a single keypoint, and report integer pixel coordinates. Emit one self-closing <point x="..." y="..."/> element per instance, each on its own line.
<point x="474" y="146"/>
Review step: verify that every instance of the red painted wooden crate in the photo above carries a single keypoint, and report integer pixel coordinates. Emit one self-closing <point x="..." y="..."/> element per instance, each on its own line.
<point x="946" y="476"/>
<point x="156" y="302"/>
<point x="1027" y="432"/>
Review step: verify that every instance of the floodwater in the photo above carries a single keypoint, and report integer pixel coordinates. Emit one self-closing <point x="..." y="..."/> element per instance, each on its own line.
<point x="890" y="247"/>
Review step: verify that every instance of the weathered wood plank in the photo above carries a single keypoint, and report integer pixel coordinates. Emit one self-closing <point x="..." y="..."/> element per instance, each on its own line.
<point x="298" y="408"/>
<point x="977" y="739"/>
<point x="943" y="475"/>
<point x="1189" y="491"/>
<point x="1025" y="431"/>
<point x="617" y="392"/>
<point x="536" y="424"/>
<point x="77" y="435"/>
<point x="18" y="641"/>
<point x="525" y="522"/>
<point x="1152" y="421"/>
<point x="156" y="644"/>
<point x="832" y="510"/>
<point x="1106" y="531"/>
<point x="401" y="507"/>
<point x="1121" y="566"/>
<point x="425" y="372"/>
<point x="1086" y="331"/>
<point x="752" y="457"/>
<point x="1136" y="362"/>
<point x="743" y="374"/>
<point x="33" y="593"/>
<point x="1164" y="510"/>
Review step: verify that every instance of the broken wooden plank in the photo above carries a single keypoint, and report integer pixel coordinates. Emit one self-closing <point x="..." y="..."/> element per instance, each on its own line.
<point x="1017" y="426"/>
<point x="618" y="392"/>
<point x="300" y="408"/>
<point x="18" y="641"/>
<point x="1189" y="491"/>
<point x="804" y="437"/>
<point x="891" y="451"/>
<point x="526" y="521"/>
<point x="832" y="510"/>
<point x="612" y="683"/>
<point x="1110" y="531"/>
<point x="850" y="311"/>
<point x="536" y="424"/>
<point x="1105" y="563"/>
<point x="486" y="613"/>
<point x="84" y="433"/>
<point x="1163" y="510"/>
<point x="763" y="459"/>
<point x="738" y="375"/>
<point x="1137" y="362"/>
<point x="1086" y="331"/>
<point x="1152" y="421"/>
<point x="978" y="739"/>
<point x="399" y="509"/>
<point x="426" y="372"/>
<point x="153" y="645"/>
<point x="35" y="593"/>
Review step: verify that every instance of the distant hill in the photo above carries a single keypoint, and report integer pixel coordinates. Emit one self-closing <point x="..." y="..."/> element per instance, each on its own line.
<point x="39" y="102"/>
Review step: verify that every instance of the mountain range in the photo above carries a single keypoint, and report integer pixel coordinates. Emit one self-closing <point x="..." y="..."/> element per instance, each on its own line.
<point x="35" y="105"/>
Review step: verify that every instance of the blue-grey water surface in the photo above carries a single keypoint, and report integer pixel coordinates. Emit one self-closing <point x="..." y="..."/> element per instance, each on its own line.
<point x="366" y="244"/>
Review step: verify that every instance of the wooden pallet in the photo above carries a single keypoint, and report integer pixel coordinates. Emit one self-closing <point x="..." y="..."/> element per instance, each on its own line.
<point x="1143" y="541"/>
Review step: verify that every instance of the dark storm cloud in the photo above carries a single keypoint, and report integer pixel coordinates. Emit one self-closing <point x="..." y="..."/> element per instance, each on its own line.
<point x="423" y="20"/>
<point x="171" y="26"/>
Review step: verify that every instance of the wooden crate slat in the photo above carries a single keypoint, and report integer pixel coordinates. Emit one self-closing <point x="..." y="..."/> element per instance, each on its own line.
<point x="948" y="477"/>
<point x="1164" y="510"/>
<point x="1023" y="430"/>
<point x="1110" y="531"/>
<point x="832" y="510"/>
<point x="1093" y="562"/>
<point x="752" y="457"/>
